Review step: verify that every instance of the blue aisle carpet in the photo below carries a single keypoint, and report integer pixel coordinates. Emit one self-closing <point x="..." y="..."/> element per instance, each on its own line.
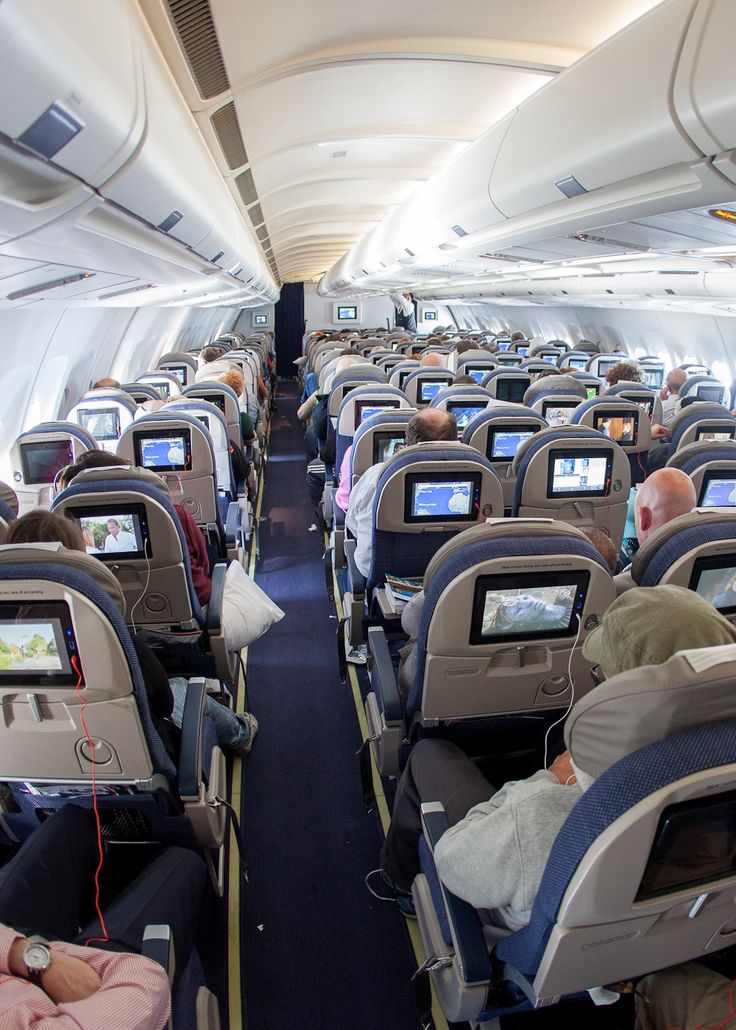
<point x="317" y="950"/>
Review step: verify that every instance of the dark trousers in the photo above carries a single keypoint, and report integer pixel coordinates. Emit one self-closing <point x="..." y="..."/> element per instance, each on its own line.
<point x="49" y="888"/>
<point x="436" y="771"/>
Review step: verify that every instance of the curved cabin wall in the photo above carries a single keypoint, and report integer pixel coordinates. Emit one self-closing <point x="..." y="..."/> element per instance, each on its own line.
<point x="52" y="355"/>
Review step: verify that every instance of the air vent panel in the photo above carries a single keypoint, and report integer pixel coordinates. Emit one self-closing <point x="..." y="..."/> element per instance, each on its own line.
<point x="246" y="187"/>
<point x="195" y="28"/>
<point x="256" y="215"/>
<point x="225" y="125"/>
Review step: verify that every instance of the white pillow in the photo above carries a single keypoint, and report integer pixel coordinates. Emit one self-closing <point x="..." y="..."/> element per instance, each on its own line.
<point x="247" y="611"/>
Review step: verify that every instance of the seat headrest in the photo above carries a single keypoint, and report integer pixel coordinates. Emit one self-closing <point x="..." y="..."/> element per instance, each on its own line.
<point x="106" y="473"/>
<point x="641" y="706"/>
<point x="43" y="553"/>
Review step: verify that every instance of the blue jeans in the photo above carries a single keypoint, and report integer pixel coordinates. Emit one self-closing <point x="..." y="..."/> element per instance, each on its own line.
<point x="230" y="730"/>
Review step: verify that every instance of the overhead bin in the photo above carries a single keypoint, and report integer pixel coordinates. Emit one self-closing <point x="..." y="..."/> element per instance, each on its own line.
<point x="70" y="83"/>
<point x="640" y="127"/>
<point x="86" y="89"/>
<point x="606" y="119"/>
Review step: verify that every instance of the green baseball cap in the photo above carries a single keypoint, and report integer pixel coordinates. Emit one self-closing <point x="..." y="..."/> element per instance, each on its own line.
<point x="647" y="625"/>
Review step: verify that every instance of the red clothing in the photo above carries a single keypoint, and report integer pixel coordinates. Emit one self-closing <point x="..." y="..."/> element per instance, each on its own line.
<point x="134" y="994"/>
<point x="198" y="558"/>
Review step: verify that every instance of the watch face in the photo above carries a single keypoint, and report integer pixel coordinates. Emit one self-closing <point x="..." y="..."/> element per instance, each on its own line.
<point x="36" y="957"/>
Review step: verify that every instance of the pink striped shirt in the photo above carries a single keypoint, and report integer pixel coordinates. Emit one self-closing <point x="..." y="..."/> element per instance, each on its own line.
<point x="134" y="994"/>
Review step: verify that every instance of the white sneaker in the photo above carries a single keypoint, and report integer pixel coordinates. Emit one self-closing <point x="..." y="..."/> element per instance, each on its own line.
<point x="244" y="748"/>
<point x="358" y="655"/>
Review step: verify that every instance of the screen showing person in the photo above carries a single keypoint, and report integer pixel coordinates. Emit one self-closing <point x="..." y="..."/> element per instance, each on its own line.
<point x="512" y="390"/>
<point x="464" y="411"/>
<point x="710" y="393"/>
<point x="503" y="444"/>
<point x="163" y="388"/>
<point x="385" y="445"/>
<point x="579" y="474"/>
<point x="647" y="406"/>
<point x="441" y="497"/>
<point x="429" y="388"/>
<point x="41" y="461"/>
<point x="37" y="645"/>
<point x="164" y="452"/>
<point x="106" y="534"/>
<point x="180" y="371"/>
<point x="365" y="409"/>
<point x="694" y="844"/>
<point x="718" y="490"/>
<point x="715" y="580"/>
<point x="621" y="428"/>
<point x="102" y="423"/>
<point x="713" y="434"/>
<point x="527" y="606"/>
<point x="653" y="378"/>
<point x="557" y="414"/>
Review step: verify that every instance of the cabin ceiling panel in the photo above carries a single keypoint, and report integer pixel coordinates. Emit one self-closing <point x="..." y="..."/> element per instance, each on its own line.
<point x="285" y="31"/>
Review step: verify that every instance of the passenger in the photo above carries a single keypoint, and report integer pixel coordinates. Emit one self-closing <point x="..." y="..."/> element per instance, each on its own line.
<point x="235" y="380"/>
<point x="663" y="496"/>
<point x="196" y="544"/>
<point x="106" y="384"/>
<point x="48" y="888"/>
<point x="623" y="371"/>
<point x="670" y="396"/>
<point x="463" y="380"/>
<point x="432" y="360"/>
<point x="604" y="545"/>
<point x="494" y="854"/>
<point x="211" y="363"/>
<point x="428" y="425"/>
<point x="465" y="345"/>
<point x="235" y="733"/>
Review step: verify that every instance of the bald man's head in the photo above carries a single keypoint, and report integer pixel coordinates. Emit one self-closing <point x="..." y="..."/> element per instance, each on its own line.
<point x="676" y="379"/>
<point x="663" y="496"/>
<point x="431" y="424"/>
<point x="433" y="360"/>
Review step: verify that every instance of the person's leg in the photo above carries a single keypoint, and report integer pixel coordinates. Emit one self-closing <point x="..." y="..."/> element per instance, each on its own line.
<point x="232" y="731"/>
<point x="48" y="886"/>
<point x="436" y="771"/>
<point x="169" y="890"/>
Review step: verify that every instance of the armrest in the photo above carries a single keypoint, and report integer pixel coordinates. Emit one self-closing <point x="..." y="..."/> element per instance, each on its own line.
<point x="465" y="926"/>
<point x="158" y="945"/>
<point x="190" y="750"/>
<point x="355" y="576"/>
<point x="214" y="605"/>
<point x="383" y="678"/>
<point x="233" y="523"/>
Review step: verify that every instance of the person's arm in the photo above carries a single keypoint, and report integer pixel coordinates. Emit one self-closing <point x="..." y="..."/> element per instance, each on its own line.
<point x="83" y="988"/>
<point x="306" y="409"/>
<point x="495" y="856"/>
<point x="246" y="427"/>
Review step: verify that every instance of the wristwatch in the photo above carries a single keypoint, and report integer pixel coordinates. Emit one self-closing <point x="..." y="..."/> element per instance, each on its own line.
<point x="37" y="958"/>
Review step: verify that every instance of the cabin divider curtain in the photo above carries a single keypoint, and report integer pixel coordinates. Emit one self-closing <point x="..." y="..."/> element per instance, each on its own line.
<point x="289" y="327"/>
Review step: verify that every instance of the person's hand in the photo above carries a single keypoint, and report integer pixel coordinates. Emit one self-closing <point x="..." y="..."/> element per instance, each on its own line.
<point x="664" y="392"/>
<point x="562" y="769"/>
<point x="67" y="979"/>
<point x="658" y="431"/>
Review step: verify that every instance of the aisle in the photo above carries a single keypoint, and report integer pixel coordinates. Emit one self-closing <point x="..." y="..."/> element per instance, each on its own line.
<point x="317" y="951"/>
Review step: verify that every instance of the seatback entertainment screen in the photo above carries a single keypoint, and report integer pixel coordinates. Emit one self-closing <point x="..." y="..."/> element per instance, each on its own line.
<point x="102" y="423"/>
<point x="504" y="443"/>
<point x="623" y="429"/>
<point x="429" y="388"/>
<point x="364" y="409"/>
<point x="715" y="580"/>
<point x="579" y="474"/>
<point x="718" y="490"/>
<point x="464" y="411"/>
<point x="385" y="445"/>
<point x="41" y="460"/>
<point x="38" y="647"/>
<point x="525" y="607"/>
<point x="713" y="433"/>
<point x="557" y="413"/>
<point x="442" y="497"/>
<point x="163" y="451"/>
<point x="511" y="389"/>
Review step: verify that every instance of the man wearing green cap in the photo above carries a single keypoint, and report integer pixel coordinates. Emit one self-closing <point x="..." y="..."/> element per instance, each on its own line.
<point x="494" y="853"/>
